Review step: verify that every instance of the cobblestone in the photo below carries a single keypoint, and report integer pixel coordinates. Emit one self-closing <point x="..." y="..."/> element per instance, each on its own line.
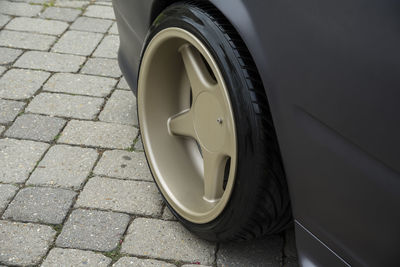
<point x="74" y="257"/>
<point x="9" y="110"/>
<point x="35" y="127"/>
<point x="64" y="166"/>
<point x="100" y="134"/>
<point x="71" y="3"/>
<point x="21" y="84"/>
<point x="91" y="24"/>
<point x="71" y="106"/>
<point x="124" y="165"/>
<point x="8" y="55"/>
<point x="136" y="262"/>
<point x="37" y="25"/>
<point x="139" y="198"/>
<point x="4" y="19"/>
<point x="19" y="9"/>
<point x="103" y="12"/>
<point x="77" y="43"/>
<point x="113" y="29"/>
<point x="24" y="243"/>
<point x="79" y="84"/>
<point x="65" y="14"/>
<point x="37" y="204"/>
<point x="94" y="230"/>
<point x="108" y="48"/>
<point x="159" y="239"/>
<point x="50" y="61"/>
<point x="167" y="215"/>
<point x="26" y="40"/>
<point x="18" y="158"/>
<point x="120" y="108"/>
<point x="123" y="84"/>
<point x="7" y="191"/>
<point x="102" y="67"/>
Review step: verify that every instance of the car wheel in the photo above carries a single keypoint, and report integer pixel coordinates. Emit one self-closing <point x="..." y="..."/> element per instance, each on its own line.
<point x="207" y="131"/>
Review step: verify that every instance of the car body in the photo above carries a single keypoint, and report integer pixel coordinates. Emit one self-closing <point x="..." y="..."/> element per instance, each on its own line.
<point x="331" y="70"/>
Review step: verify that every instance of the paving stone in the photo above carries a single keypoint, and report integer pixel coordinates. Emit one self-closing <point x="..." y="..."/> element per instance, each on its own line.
<point x="38" y="204"/>
<point x="80" y="107"/>
<point x="113" y="29"/>
<point x="74" y="257"/>
<point x="123" y="84"/>
<point x="26" y="40"/>
<point x="93" y="230"/>
<point x="37" y="25"/>
<point x="4" y="19"/>
<point x="159" y="239"/>
<point x="21" y="84"/>
<point x="123" y="164"/>
<point x="139" y="198"/>
<point x="103" y="12"/>
<point x="80" y="84"/>
<point x="104" y="2"/>
<point x="35" y="127"/>
<point x="65" y="14"/>
<point x="71" y="3"/>
<point x="24" y="243"/>
<point x="91" y="24"/>
<point x="7" y="191"/>
<point x="19" y="9"/>
<point x="50" y="61"/>
<point x="32" y="1"/>
<point x="167" y="215"/>
<point x="2" y="128"/>
<point x="139" y="144"/>
<point x="99" y="134"/>
<point x="257" y="253"/>
<point x="18" y="158"/>
<point x="136" y="262"/>
<point x="120" y="108"/>
<point x="108" y="47"/>
<point x="8" y="55"/>
<point x="103" y="67"/>
<point x="9" y="110"/>
<point x="2" y="70"/>
<point x="64" y="166"/>
<point x="77" y="43"/>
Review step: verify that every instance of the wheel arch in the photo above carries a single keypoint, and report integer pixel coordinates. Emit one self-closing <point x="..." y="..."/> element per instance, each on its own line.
<point x="240" y="17"/>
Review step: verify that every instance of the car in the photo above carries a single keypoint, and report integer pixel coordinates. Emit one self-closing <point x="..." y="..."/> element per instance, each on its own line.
<point x="256" y="115"/>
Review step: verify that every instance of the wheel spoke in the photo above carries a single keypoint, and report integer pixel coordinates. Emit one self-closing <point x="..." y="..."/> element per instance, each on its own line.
<point x="182" y="124"/>
<point x="214" y="170"/>
<point x="196" y="69"/>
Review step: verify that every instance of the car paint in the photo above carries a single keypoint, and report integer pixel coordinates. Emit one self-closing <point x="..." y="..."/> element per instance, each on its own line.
<point x="331" y="70"/>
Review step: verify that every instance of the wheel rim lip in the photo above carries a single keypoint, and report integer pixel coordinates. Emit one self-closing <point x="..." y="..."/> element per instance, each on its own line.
<point x="145" y="71"/>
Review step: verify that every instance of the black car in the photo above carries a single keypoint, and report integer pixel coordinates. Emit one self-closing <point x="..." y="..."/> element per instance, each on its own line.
<point x="255" y="114"/>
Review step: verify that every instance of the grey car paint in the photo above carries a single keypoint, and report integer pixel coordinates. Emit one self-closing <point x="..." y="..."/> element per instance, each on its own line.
<point x="331" y="70"/>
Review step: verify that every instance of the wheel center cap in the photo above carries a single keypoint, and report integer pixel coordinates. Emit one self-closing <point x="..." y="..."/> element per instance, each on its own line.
<point x="209" y="121"/>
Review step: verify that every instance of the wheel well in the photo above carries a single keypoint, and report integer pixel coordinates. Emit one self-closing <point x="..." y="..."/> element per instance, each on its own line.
<point x="158" y="6"/>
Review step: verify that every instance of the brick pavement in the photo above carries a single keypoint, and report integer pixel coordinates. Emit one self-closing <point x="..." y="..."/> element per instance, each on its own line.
<point x="75" y="189"/>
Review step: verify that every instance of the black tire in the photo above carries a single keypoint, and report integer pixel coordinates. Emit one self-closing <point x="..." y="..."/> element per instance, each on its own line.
<point x="259" y="203"/>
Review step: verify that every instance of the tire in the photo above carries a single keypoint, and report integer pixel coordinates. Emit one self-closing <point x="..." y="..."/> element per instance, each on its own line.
<point x="254" y="200"/>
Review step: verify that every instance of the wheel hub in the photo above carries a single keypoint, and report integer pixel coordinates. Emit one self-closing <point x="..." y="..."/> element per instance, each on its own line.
<point x="208" y="122"/>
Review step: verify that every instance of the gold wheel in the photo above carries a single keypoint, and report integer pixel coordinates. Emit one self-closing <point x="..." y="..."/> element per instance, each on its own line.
<point x="187" y="125"/>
